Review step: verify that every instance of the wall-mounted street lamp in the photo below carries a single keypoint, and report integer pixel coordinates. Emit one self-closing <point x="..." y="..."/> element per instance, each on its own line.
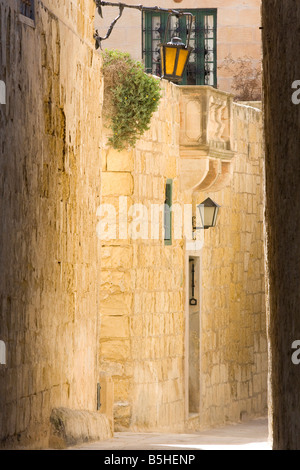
<point x="208" y="210"/>
<point x="174" y="54"/>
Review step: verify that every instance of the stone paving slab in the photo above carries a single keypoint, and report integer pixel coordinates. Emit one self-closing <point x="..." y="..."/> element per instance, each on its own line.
<point x="252" y="435"/>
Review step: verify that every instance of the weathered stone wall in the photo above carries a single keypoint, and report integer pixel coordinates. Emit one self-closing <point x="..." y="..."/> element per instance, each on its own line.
<point x="144" y="284"/>
<point x="282" y="119"/>
<point x="142" y="316"/>
<point x="50" y="187"/>
<point x="234" y="347"/>
<point x="158" y="339"/>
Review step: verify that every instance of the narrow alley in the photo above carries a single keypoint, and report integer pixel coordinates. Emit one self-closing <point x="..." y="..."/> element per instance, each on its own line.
<point x="252" y="435"/>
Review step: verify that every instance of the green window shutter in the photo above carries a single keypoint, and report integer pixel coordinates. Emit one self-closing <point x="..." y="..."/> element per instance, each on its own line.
<point x="168" y="213"/>
<point x="202" y="66"/>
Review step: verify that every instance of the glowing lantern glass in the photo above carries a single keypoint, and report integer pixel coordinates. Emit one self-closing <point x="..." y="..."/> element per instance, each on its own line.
<point x="175" y="54"/>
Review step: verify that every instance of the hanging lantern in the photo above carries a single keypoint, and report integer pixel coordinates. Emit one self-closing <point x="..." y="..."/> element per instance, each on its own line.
<point x="175" y="54"/>
<point x="208" y="213"/>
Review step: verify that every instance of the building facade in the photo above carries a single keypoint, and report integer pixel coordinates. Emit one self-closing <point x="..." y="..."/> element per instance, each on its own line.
<point x="176" y="365"/>
<point x="225" y="36"/>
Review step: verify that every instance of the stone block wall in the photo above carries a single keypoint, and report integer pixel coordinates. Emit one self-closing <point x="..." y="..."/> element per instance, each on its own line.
<point x="234" y="346"/>
<point x="50" y="188"/>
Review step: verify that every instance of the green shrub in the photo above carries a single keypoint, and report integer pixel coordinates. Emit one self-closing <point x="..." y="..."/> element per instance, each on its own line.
<point x="130" y="98"/>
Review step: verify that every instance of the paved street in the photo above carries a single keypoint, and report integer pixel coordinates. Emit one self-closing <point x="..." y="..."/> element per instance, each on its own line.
<point x="252" y="435"/>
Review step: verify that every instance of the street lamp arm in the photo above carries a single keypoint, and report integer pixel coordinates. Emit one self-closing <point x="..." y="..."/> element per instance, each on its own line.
<point x="98" y="38"/>
<point x="100" y="4"/>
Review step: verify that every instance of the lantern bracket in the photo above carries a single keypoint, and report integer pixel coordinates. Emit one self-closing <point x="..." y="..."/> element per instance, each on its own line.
<point x="194" y="224"/>
<point x="98" y="38"/>
<point x="190" y="19"/>
<point x="100" y="4"/>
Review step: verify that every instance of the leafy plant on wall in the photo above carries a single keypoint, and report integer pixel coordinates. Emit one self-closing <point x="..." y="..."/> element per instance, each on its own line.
<point x="130" y="98"/>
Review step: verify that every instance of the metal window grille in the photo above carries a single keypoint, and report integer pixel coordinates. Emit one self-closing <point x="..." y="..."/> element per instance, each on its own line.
<point x="27" y="8"/>
<point x="202" y="66"/>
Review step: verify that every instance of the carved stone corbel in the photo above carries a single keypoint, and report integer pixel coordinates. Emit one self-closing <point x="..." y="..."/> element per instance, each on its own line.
<point x="206" y="144"/>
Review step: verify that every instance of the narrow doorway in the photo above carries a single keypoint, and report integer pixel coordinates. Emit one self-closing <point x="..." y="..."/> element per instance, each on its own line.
<point x="194" y="335"/>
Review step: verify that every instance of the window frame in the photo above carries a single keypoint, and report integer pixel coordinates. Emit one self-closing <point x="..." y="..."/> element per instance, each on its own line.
<point x="200" y="14"/>
<point x="168" y="202"/>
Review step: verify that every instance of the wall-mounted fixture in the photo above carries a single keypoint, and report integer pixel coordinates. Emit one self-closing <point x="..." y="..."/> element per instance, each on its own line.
<point x="208" y="210"/>
<point x="174" y="54"/>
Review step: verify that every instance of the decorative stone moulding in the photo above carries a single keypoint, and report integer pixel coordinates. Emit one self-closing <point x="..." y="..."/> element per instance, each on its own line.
<point x="206" y="142"/>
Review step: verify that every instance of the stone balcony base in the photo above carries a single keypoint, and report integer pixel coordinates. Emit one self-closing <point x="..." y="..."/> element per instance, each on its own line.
<point x="206" y="143"/>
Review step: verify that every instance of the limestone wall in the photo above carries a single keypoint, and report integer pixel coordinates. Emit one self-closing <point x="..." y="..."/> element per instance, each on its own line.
<point x="234" y="348"/>
<point x="142" y="317"/>
<point x="74" y="306"/>
<point x="145" y="288"/>
<point x="50" y="188"/>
